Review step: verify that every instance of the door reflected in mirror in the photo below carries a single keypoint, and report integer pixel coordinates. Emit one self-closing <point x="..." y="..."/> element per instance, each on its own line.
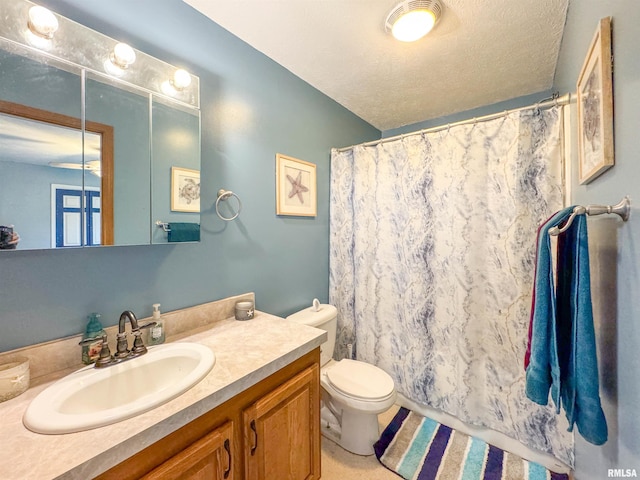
<point x="43" y="191"/>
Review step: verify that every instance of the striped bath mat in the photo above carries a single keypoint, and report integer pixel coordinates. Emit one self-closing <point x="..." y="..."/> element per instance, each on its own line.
<point x="419" y="448"/>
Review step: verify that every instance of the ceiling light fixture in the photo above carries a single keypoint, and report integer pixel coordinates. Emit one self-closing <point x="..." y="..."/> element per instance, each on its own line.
<point x="411" y="20"/>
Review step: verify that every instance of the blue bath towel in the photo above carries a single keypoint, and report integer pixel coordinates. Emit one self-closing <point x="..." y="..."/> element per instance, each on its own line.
<point x="563" y="351"/>
<point x="543" y="372"/>
<point x="579" y="387"/>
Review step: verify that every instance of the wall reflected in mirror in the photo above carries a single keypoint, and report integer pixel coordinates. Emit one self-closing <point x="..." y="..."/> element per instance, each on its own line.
<point x="86" y="151"/>
<point x="175" y="144"/>
<point x="127" y="111"/>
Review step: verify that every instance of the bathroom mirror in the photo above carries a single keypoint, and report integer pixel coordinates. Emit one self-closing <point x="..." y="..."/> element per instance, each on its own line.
<point x="90" y="131"/>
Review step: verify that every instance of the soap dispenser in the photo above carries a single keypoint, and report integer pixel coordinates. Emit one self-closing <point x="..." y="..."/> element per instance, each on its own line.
<point x="156" y="336"/>
<point x="91" y="351"/>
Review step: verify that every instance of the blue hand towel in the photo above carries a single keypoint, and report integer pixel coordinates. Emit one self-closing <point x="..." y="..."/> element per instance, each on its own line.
<point x="184" y="232"/>
<point x="580" y="389"/>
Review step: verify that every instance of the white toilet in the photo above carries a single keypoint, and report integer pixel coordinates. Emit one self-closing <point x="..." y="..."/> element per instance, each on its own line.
<point x="353" y="392"/>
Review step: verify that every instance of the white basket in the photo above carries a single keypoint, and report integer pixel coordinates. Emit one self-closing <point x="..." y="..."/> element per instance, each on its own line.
<point x="14" y="378"/>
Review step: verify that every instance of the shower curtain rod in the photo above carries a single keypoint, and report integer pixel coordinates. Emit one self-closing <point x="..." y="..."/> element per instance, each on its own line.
<point x="555" y="100"/>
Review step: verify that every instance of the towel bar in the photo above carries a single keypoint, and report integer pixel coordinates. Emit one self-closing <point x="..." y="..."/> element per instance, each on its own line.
<point x="164" y="225"/>
<point x="623" y="209"/>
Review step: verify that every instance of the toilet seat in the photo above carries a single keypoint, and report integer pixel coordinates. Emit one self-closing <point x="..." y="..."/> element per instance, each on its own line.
<point x="360" y="380"/>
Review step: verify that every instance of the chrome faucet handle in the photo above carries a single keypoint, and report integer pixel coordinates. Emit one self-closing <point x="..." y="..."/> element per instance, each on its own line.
<point x="138" y="347"/>
<point x="148" y="325"/>
<point x="89" y="341"/>
<point x="105" y="358"/>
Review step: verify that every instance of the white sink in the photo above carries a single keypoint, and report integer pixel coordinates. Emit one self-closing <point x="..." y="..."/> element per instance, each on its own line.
<point x="92" y="397"/>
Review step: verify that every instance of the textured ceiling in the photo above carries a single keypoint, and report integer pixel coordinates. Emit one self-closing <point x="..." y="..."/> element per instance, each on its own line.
<point x="481" y="52"/>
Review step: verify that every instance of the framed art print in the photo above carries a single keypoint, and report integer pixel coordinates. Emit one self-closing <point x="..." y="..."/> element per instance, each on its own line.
<point x="185" y="190"/>
<point x="595" y="107"/>
<point x="295" y="187"/>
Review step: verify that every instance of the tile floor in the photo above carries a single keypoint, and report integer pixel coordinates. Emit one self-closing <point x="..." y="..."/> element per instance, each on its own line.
<point x="338" y="464"/>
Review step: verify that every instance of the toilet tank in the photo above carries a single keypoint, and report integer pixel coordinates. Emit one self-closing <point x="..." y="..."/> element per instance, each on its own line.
<point x="325" y="318"/>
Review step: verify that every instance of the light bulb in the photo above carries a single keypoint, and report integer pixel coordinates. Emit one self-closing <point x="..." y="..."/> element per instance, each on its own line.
<point x="413" y="25"/>
<point x="42" y="22"/>
<point x="119" y="59"/>
<point x="181" y="79"/>
<point x="122" y="55"/>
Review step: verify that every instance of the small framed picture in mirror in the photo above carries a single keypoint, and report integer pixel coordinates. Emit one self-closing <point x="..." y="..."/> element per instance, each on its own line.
<point x="595" y="107"/>
<point x="185" y="190"/>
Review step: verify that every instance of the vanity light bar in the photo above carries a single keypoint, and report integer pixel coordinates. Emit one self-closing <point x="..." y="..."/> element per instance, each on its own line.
<point x="43" y="32"/>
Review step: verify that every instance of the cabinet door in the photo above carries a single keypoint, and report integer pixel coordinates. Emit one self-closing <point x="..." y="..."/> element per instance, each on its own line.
<point x="209" y="458"/>
<point x="282" y="431"/>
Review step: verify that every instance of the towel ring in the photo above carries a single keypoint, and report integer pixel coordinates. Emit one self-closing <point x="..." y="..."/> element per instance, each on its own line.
<point x="225" y="195"/>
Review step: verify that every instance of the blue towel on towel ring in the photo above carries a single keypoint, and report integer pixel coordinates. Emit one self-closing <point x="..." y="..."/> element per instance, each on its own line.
<point x="563" y="348"/>
<point x="183" y="232"/>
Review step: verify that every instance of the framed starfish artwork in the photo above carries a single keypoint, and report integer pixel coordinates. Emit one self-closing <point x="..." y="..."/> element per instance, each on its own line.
<point x="595" y="107"/>
<point x="295" y="187"/>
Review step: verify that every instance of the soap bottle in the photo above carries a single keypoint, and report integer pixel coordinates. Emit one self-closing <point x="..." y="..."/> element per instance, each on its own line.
<point x="91" y="351"/>
<point x="156" y="336"/>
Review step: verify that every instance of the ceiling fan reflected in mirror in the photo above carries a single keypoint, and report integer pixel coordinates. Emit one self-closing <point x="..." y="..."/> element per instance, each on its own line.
<point x="93" y="166"/>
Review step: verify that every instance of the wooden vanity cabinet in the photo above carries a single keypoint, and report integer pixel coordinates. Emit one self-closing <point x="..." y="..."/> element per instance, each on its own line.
<point x="279" y="431"/>
<point x="207" y="458"/>
<point x="269" y="431"/>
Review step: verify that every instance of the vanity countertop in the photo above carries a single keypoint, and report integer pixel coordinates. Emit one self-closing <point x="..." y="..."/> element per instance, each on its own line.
<point x="246" y="353"/>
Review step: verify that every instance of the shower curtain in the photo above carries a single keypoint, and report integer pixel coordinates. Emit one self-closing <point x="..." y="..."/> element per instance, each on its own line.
<point x="432" y="251"/>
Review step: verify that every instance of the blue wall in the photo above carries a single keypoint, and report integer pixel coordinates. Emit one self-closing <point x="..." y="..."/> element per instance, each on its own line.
<point x="617" y="248"/>
<point x="252" y="109"/>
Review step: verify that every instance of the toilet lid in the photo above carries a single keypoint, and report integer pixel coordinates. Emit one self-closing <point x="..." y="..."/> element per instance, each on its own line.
<point x="360" y="380"/>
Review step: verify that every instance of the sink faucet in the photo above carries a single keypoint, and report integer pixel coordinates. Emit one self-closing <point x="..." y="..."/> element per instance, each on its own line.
<point x="122" y="346"/>
<point x="138" y="348"/>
